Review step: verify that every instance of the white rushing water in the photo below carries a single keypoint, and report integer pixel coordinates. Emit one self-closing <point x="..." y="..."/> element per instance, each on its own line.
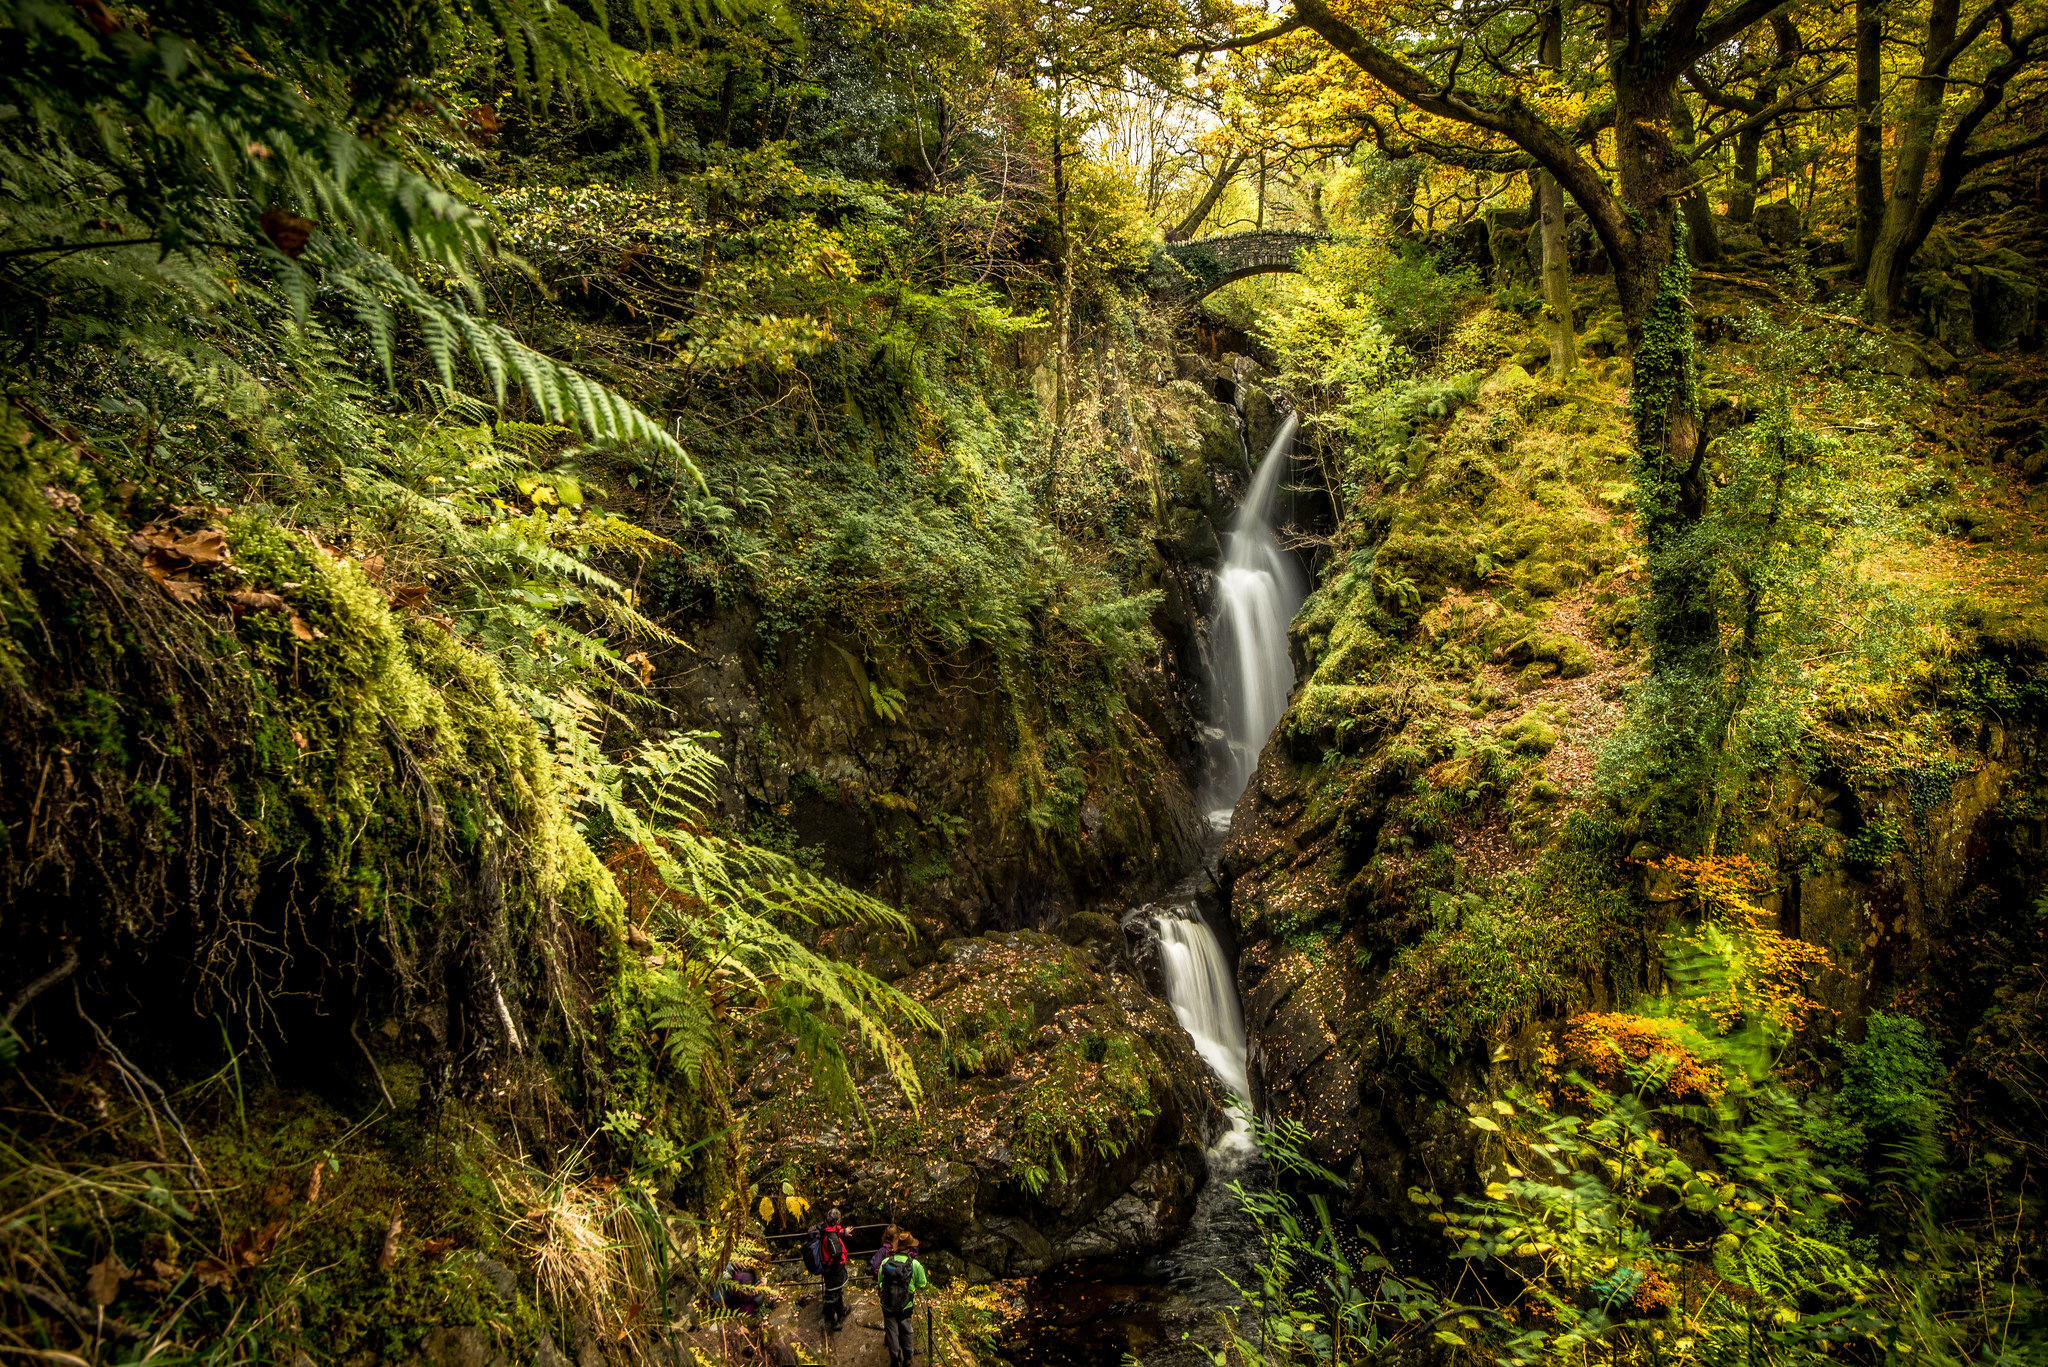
<point x="1258" y="592"/>
<point x="1203" y="992"/>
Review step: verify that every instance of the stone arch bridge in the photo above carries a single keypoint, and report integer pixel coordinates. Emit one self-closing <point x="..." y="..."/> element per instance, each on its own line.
<point x="1183" y="272"/>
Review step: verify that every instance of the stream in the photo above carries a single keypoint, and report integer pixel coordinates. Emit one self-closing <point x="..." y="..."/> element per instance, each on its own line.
<point x="1158" y="1310"/>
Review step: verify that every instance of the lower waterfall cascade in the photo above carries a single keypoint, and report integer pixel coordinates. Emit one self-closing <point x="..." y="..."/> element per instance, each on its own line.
<point x="1202" y="989"/>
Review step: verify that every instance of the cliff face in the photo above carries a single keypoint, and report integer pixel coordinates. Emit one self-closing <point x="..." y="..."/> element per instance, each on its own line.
<point x="1446" y="857"/>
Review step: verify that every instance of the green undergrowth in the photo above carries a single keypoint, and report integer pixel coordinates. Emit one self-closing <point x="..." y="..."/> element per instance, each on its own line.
<point x="367" y="752"/>
<point x="292" y="1227"/>
<point x="287" y="772"/>
<point x="886" y="481"/>
<point x="1548" y="940"/>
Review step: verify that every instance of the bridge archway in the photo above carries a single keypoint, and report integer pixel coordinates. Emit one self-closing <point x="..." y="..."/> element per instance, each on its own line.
<point x="1186" y="272"/>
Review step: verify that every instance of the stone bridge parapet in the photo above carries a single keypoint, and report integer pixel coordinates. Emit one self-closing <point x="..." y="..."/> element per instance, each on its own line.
<point x="1183" y="272"/>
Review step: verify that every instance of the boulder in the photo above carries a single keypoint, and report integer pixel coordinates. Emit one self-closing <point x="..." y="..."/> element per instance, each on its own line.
<point x="2004" y="300"/>
<point x="1777" y="224"/>
<point x="1219" y="431"/>
<point x="1512" y="244"/>
<point x="1190" y="537"/>
<point x="1469" y="244"/>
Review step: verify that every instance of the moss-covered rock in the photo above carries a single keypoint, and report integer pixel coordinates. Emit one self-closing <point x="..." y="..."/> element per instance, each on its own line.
<point x="1062" y="1118"/>
<point x="1530" y="735"/>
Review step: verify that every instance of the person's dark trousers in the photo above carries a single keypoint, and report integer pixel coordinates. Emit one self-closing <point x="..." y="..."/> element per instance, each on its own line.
<point x="899" y="1333"/>
<point x="835" y="1297"/>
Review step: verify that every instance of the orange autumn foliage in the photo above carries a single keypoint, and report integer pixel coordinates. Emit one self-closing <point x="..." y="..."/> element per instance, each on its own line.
<point x="1773" y="970"/>
<point x="1599" y="1042"/>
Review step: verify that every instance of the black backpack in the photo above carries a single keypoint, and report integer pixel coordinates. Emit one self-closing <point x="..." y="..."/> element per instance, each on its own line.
<point x="895" y="1283"/>
<point x="814" y="1253"/>
<point x="832" y="1247"/>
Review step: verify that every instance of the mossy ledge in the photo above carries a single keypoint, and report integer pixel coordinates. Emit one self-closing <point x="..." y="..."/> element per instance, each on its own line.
<point x="316" y="850"/>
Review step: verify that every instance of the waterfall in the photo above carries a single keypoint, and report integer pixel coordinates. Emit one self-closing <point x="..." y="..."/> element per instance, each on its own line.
<point x="1203" y="993"/>
<point x="1258" y="592"/>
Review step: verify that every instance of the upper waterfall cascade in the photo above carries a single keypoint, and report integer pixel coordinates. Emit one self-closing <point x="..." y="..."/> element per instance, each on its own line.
<point x="1258" y="592"/>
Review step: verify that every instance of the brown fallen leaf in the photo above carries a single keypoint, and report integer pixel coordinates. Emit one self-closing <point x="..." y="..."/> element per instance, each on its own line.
<point x="181" y="589"/>
<point x="167" y="1270"/>
<point x="212" y="1272"/>
<point x="434" y="1248"/>
<point x="319" y="1169"/>
<point x="373" y="568"/>
<point x="304" y="632"/>
<point x="203" y="548"/>
<point x="256" y="600"/>
<point x="97" y="13"/>
<point x="103" y="1279"/>
<point x="286" y="230"/>
<point x="252" y="1246"/>
<point x="409" y="595"/>
<point x="638" y="659"/>
<point x="390" y="1254"/>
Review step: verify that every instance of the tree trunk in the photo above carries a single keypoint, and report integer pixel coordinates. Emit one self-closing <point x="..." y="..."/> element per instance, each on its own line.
<point x="1410" y="184"/>
<point x="1653" y="280"/>
<point x="1869" y="128"/>
<point x="1742" y="189"/>
<point x="1749" y="143"/>
<point x="1064" y="259"/>
<point x="1702" y="232"/>
<point x="1885" y="281"/>
<point x="1556" y="269"/>
<point x="1226" y="171"/>
<point x="1557" y="279"/>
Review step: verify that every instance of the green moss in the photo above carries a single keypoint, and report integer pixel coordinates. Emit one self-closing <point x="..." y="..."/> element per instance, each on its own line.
<point x="1485" y="964"/>
<point x="1530" y="735"/>
<point x="1433" y="563"/>
<point x="1563" y="656"/>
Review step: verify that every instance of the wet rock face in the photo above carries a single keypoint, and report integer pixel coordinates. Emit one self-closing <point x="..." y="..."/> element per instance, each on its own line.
<point x="1381" y="1123"/>
<point x="1062" y="1120"/>
<point x="921" y="808"/>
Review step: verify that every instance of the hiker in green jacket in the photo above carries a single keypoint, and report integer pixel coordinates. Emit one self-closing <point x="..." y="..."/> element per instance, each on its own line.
<point x="899" y="1279"/>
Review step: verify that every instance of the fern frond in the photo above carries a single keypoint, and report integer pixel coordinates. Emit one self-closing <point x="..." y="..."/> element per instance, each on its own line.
<point x="559" y="391"/>
<point x="695" y="1043"/>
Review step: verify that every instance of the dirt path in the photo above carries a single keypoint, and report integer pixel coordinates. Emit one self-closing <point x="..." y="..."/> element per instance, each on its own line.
<point x="795" y="1323"/>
